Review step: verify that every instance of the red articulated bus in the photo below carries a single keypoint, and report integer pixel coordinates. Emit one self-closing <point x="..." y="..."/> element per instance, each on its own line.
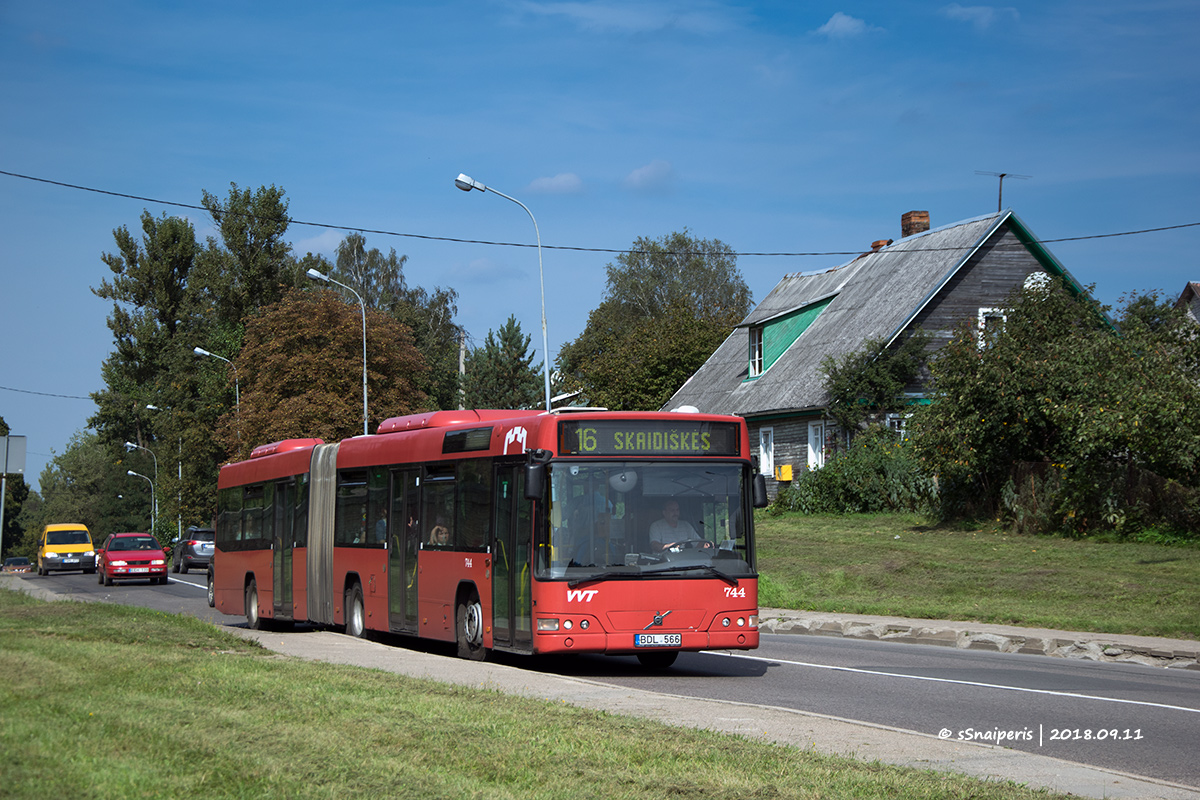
<point x="520" y="531"/>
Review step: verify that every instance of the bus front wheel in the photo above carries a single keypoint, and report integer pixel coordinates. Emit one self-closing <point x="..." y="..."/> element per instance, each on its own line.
<point x="658" y="659"/>
<point x="469" y="627"/>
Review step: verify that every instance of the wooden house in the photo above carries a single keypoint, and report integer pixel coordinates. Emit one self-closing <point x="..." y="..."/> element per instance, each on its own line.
<point x="1189" y="300"/>
<point x="769" y="368"/>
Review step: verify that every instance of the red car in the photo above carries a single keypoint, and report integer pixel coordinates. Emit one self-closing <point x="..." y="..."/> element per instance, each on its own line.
<point x="127" y="556"/>
<point x="17" y="564"/>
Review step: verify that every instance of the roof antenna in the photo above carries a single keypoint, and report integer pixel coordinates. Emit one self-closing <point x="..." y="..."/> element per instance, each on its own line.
<point x="1001" y="176"/>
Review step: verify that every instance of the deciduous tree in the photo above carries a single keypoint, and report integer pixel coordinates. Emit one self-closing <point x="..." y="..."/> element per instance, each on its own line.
<point x="301" y="373"/>
<point x="668" y="305"/>
<point x="1103" y="423"/>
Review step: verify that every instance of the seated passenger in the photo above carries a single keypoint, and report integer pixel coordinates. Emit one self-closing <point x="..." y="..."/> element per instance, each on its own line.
<point x="671" y="531"/>
<point x="440" y="534"/>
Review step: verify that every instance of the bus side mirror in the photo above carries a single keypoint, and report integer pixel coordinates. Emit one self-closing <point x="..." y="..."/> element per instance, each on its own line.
<point x="535" y="481"/>
<point x="760" y="491"/>
<point x="535" y="473"/>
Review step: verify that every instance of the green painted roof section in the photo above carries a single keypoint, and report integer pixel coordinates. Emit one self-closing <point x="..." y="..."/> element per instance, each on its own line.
<point x="779" y="334"/>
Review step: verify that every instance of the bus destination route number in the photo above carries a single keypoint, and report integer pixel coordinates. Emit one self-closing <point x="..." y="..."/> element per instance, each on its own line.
<point x="647" y="438"/>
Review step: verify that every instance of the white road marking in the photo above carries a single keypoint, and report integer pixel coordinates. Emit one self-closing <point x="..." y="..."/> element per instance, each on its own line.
<point x="859" y="671"/>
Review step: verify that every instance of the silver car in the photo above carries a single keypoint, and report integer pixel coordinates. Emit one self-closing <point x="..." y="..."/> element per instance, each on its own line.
<point x="195" y="549"/>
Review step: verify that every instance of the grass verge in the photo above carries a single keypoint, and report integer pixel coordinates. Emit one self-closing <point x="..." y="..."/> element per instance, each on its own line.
<point x="898" y="565"/>
<point x="108" y="701"/>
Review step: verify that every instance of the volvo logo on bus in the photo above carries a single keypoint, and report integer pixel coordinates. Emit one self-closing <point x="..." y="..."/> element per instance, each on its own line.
<point x="658" y="620"/>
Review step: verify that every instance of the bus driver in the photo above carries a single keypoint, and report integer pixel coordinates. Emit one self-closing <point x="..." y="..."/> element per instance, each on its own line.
<point x="671" y="531"/>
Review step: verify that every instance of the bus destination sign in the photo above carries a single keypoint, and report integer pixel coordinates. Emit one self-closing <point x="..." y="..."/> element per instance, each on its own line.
<point x="637" y="437"/>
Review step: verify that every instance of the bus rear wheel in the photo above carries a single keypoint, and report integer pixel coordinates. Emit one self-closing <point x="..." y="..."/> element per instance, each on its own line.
<point x="253" y="621"/>
<point x="356" y="625"/>
<point x="469" y="629"/>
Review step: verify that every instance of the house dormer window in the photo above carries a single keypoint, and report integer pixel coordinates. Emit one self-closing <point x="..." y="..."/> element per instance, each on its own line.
<point x="756" y="351"/>
<point x="770" y="338"/>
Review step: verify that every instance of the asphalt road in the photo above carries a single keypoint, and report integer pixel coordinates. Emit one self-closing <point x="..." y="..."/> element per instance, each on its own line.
<point x="1124" y="717"/>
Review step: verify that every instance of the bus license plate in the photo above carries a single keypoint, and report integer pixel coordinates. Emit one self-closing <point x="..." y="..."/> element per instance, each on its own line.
<point x="657" y="640"/>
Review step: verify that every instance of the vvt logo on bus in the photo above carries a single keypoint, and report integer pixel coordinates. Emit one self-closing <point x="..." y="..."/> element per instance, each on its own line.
<point x="581" y="595"/>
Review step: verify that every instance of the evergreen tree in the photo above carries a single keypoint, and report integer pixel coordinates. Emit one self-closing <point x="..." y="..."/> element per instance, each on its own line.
<point x="501" y="373"/>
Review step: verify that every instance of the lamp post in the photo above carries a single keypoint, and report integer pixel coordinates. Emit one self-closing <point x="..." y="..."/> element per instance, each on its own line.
<point x="237" y="394"/>
<point x="317" y="275"/>
<point x="467" y="183"/>
<point x="179" y="466"/>
<point x="153" y="484"/>
<point x="152" y="502"/>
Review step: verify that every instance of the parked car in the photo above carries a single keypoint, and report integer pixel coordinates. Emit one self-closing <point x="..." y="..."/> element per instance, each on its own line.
<point x="195" y="549"/>
<point x="17" y="564"/>
<point x="128" y="556"/>
<point x="65" y="546"/>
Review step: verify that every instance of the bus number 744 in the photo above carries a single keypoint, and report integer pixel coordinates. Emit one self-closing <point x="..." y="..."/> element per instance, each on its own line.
<point x="734" y="591"/>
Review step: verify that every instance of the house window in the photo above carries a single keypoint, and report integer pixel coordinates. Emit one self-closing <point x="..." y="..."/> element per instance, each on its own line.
<point x="991" y="322"/>
<point x="816" y="444"/>
<point x="899" y="424"/>
<point x="766" y="451"/>
<point x="756" y="351"/>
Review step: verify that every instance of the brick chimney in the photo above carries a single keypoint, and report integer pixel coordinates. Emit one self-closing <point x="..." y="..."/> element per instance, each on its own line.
<point x="879" y="244"/>
<point x="913" y="222"/>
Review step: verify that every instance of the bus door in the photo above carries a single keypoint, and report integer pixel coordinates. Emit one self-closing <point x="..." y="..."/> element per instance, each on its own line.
<point x="511" y="607"/>
<point x="282" y="541"/>
<point x="404" y="539"/>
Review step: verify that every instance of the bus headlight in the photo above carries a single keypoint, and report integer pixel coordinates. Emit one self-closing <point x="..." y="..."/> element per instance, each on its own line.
<point x="547" y="624"/>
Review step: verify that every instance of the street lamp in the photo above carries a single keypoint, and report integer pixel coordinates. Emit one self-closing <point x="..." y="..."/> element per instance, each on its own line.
<point x="152" y="502"/>
<point x="237" y="394"/>
<point x="154" y="498"/>
<point x="467" y="184"/>
<point x="316" y="275"/>
<point x="179" y="465"/>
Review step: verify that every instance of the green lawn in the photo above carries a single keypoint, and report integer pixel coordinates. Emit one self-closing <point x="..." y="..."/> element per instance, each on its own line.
<point x="111" y="701"/>
<point x="902" y="566"/>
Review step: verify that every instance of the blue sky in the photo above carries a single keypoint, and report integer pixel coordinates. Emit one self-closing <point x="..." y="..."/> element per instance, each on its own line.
<point x="777" y="127"/>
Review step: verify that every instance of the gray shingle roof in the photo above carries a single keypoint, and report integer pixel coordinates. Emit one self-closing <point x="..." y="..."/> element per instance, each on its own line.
<point x="877" y="295"/>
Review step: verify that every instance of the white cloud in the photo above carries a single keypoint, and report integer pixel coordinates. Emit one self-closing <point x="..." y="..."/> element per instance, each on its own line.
<point x="657" y="176"/>
<point x="324" y="243"/>
<point x="980" y="16"/>
<point x="844" y="26"/>
<point x="562" y="183"/>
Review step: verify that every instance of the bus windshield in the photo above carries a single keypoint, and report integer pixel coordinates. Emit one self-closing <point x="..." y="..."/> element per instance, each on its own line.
<point x="643" y="519"/>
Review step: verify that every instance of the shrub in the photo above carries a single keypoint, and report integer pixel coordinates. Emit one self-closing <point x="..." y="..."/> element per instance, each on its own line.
<point x="876" y="473"/>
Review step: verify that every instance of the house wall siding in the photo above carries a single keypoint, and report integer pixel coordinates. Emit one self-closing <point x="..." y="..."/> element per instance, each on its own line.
<point x="986" y="281"/>
<point x="791" y="445"/>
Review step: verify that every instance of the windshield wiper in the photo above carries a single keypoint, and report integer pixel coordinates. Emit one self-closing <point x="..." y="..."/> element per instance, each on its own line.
<point x="732" y="581"/>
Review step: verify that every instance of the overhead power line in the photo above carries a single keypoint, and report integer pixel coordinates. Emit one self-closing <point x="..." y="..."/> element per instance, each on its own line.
<point x="44" y="394"/>
<point x="356" y="229"/>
